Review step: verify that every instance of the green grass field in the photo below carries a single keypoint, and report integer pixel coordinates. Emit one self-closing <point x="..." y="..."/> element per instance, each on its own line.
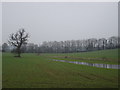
<point x="38" y="71"/>
<point x="102" y="56"/>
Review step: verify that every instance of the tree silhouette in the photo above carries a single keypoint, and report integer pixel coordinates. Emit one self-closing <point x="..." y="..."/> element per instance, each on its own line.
<point x="17" y="40"/>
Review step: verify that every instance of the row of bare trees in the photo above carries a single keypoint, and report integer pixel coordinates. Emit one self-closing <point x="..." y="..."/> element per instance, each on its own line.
<point x="18" y="44"/>
<point x="68" y="46"/>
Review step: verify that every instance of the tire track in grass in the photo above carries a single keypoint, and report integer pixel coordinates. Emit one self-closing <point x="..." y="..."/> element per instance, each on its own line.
<point x="101" y="77"/>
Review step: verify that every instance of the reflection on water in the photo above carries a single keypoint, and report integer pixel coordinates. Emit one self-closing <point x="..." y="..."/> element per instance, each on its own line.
<point x="91" y="64"/>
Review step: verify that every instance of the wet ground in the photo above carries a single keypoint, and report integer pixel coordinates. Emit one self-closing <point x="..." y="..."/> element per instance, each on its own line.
<point x="112" y="66"/>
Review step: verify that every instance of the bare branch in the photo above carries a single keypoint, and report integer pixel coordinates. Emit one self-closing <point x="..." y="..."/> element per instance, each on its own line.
<point x="18" y="39"/>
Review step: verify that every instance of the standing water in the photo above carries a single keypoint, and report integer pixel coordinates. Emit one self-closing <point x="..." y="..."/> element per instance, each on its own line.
<point x="91" y="64"/>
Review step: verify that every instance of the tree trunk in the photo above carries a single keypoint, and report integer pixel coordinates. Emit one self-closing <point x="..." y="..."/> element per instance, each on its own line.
<point x="18" y="52"/>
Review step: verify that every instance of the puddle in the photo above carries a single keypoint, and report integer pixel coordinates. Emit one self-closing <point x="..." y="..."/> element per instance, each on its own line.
<point x="91" y="64"/>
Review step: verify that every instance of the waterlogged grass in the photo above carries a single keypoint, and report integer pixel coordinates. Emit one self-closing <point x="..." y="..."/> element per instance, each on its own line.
<point x="37" y="71"/>
<point x="102" y="56"/>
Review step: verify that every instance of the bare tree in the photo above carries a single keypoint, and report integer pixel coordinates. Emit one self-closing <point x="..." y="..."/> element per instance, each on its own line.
<point x="5" y="47"/>
<point x="113" y="42"/>
<point x="18" y="39"/>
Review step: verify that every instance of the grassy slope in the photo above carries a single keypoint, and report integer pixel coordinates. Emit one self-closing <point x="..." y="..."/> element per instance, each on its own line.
<point x="111" y="55"/>
<point x="38" y="71"/>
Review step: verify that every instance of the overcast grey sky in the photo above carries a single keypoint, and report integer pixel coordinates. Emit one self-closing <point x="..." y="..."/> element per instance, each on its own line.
<point x="60" y="21"/>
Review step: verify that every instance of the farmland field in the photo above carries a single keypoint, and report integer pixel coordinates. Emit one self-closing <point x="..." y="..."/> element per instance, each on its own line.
<point x="39" y="71"/>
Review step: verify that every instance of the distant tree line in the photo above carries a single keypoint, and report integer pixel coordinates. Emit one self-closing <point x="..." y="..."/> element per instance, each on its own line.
<point x="68" y="46"/>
